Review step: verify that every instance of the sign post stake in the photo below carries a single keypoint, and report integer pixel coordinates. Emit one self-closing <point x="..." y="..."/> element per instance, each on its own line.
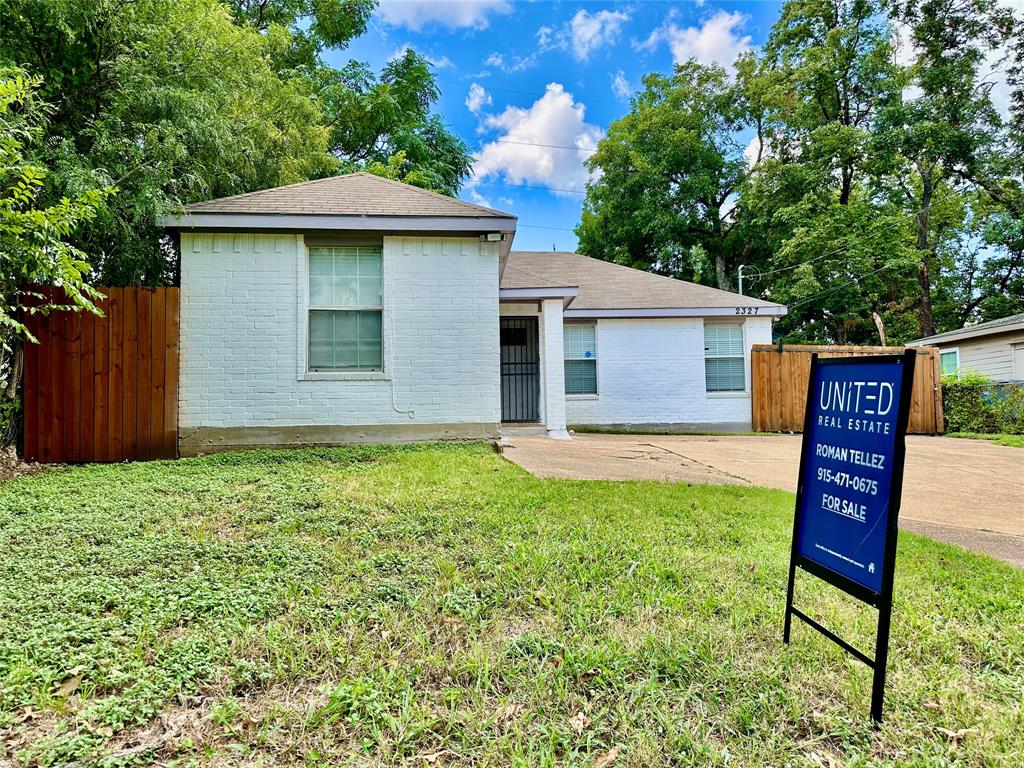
<point x="849" y="491"/>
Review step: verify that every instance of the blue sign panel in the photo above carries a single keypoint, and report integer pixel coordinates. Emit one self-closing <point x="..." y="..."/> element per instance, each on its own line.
<point x="849" y="456"/>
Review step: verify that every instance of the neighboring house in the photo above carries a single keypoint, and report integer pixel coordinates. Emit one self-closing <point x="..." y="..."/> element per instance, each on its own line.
<point x="359" y="309"/>
<point x="994" y="349"/>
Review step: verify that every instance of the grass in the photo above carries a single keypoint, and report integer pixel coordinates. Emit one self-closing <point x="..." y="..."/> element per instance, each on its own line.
<point x="1011" y="441"/>
<point x="438" y="606"/>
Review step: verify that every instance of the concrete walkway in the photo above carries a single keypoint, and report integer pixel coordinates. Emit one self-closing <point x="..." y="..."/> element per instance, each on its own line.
<point x="966" y="492"/>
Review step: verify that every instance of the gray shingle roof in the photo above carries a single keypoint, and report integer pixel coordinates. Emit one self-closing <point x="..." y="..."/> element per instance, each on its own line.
<point x="353" y="194"/>
<point x="1002" y="325"/>
<point x="603" y="285"/>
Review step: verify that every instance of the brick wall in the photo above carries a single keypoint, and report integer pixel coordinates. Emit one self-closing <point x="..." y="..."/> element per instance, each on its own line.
<point x="651" y="371"/>
<point x="242" y="350"/>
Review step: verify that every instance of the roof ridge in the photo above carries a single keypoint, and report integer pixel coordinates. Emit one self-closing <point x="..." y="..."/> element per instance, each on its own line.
<point x="432" y="193"/>
<point x="243" y="196"/>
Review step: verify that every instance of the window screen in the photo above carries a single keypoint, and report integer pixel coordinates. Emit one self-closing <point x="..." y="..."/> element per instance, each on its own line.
<point x="723" y="357"/>
<point x="580" y="342"/>
<point x="949" y="362"/>
<point x="345" y="309"/>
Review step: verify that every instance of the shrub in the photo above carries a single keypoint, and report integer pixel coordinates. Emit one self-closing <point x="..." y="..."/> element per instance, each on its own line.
<point x="974" y="403"/>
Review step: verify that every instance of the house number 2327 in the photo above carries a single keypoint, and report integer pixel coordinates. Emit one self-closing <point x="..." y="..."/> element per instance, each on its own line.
<point x="747" y="310"/>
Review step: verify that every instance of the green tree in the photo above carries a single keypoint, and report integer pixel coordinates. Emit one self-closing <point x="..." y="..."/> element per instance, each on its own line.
<point x="173" y="101"/>
<point x="184" y="100"/>
<point x="375" y="121"/>
<point x="34" y="246"/>
<point x="669" y="174"/>
<point x="947" y="139"/>
<point x="836" y="249"/>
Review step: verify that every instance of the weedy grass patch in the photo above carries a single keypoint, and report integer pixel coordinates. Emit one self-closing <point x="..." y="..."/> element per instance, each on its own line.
<point x="436" y="605"/>
<point x="1010" y="441"/>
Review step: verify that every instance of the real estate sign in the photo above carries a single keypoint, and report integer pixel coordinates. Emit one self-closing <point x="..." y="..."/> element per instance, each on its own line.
<point x="849" y="488"/>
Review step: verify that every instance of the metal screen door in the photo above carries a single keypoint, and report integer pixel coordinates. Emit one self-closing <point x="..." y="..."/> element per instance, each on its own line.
<point x="520" y="369"/>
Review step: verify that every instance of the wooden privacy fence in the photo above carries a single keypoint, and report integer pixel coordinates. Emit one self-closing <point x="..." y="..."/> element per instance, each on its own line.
<point x="104" y="388"/>
<point x="779" y="385"/>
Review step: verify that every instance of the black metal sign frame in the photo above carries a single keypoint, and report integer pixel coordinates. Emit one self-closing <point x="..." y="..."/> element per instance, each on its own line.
<point x="882" y="600"/>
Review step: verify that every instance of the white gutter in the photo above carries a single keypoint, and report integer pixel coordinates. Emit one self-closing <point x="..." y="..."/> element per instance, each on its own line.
<point x="774" y="310"/>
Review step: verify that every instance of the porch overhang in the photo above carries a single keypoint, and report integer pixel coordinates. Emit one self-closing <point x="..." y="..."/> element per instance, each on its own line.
<point x="529" y="295"/>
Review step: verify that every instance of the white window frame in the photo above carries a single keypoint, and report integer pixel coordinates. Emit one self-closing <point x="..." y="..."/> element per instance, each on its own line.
<point x="597" y="364"/>
<point x="954" y="350"/>
<point x="745" y="356"/>
<point x="302" y="274"/>
<point x="1015" y="347"/>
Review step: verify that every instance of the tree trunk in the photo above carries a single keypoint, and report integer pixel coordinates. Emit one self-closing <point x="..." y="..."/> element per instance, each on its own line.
<point x="925" y="319"/>
<point x="14" y="377"/>
<point x="880" y="325"/>
<point x="721" y="273"/>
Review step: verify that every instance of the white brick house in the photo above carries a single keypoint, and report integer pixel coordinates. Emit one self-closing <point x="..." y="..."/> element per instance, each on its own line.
<point x="359" y="309"/>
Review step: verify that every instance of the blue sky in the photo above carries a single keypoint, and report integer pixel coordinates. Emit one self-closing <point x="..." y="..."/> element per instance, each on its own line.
<point x="530" y="85"/>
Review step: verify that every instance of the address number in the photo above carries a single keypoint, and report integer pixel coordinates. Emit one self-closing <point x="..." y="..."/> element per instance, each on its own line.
<point x="747" y="310"/>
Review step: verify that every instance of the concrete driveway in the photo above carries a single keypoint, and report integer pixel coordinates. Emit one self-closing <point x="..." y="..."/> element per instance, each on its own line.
<point x="966" y="492"/>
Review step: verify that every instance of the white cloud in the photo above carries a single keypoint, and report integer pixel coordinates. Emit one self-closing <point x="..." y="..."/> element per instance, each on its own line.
<point x="529" y="149"/>
<point x="417" y="14"/>
<point x="620" y="85"/>
<point x="477" y="98"/>
<point x="718" y="40"/>
<point x="511" y="64"/>
<point x="750" y="151"/>
<point x="591" y="31"/>
<point x="584" y="33"/>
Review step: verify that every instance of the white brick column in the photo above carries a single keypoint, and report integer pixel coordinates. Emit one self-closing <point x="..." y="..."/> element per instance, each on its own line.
<point x="553" y="368"/>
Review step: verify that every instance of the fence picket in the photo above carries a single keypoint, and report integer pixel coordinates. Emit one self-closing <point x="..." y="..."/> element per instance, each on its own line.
<point x="779" y="385"/>
<point x="103" y="388"/>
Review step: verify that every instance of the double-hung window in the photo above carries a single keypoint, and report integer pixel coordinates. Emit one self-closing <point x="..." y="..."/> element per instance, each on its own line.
<point x="723" y="357"/>
<point x="580" y="344"/>
<point x="345" y="309"/>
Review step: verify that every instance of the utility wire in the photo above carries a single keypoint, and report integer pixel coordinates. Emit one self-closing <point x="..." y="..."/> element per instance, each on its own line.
<point x="528" y="186"/>
<point x="842" y="248"/>
<point x="540" y="226"/>
<point x="480" y="142"/>
<point x="819" y="294"/>
<point x="534" y="94"/>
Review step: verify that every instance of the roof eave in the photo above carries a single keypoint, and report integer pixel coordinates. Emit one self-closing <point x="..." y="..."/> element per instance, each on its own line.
<point x="968" y="333"/>
<point x="292" y="222"/>
<point x="773" y="310"/>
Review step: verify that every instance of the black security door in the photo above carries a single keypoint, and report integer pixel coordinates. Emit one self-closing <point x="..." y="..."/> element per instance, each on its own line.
<point x="520" y="369"/>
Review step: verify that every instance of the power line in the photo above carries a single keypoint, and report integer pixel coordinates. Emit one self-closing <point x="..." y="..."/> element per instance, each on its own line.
<point x="480" y="144"/>
<point x="533" y="94"/>
<point x="844" y="247"/>
<point x="540" y="226"/>
<point x="528" y="186"/>
<point x="819" y="294"/>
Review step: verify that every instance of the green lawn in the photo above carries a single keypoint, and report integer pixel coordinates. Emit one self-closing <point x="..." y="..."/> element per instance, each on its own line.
<point x="1011" y="441"/>
<point x="438" y="606"/>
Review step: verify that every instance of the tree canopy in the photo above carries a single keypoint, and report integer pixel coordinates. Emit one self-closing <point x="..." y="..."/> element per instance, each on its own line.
<point x="857" y="166"/>
<point x="175" y="101"/>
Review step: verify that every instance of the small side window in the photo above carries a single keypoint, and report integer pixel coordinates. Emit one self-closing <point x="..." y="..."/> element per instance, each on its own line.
<point x="580" y="343"/>
<point x="723" y="358"/>
<point x="949" y="361"/>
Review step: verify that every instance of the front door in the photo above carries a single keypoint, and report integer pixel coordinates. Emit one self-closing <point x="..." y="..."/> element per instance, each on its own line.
<point x="520" y="369"/>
